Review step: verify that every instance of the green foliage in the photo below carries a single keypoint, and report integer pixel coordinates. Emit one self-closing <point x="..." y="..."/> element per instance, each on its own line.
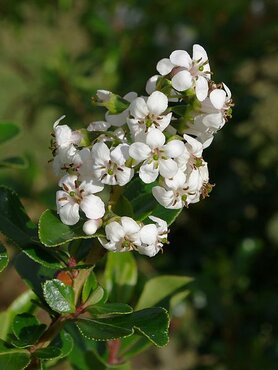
<point x="120" y="276"/>
<point x="53" y="232"/>
<point x="13" y="358"/>
<point x="27" y="330"/>
<point x="59" y="296"/>
<point x="109" y="309"/>
<point x="8" y="131"/>
<point x="152" y="323"/>
<point x="4" y="258"/>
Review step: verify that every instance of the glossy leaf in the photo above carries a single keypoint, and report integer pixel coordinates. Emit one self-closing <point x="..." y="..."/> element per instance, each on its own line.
<point x="98" y="295"/>
<point x="52" y="231"/>
<point x="110" y="309"/>
<point x="64" y="342"/>
<point x="48" y="353"/>
<point x="59" y="297"/>
<point x="43" y="256"/>
<point x="161" y="288"/>
<point x="8" y="131"/>
<point x="4" y="258"/>
<point x="14" y="222"/>
<point x="13" y="358"/>
<point x="120" y="276"/>
<point x="90" y="285"/>
<point x="27" y="330"/>
<point x="152" y="323"/>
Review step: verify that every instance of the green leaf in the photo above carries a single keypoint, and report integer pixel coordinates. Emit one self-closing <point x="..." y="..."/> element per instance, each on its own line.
<point x="98" y="295"/>
<point x="109" y="309"/>
<point x="94" y="361"/>
<point x="43" y="256"/>
<point x="14" y="222"/>
<point x="152" y="323"/>
<point x="124" y="207"/>
<point x="13" y="359"/>
<point x="8" y="130"/>
<point x="59" y="297"/>
<point x="21" y="304"/>
<point x="33" y="273"/>
<point x="161" y="288"/>
<point x="90" y="285"/>
<point x="13" y="162"/>
<point x="4" y="258"/>
<point x="168" y="215"/>
<point x="120" y="276"/>
<point x="52" y="231"/>
<point x="48" y="353"/>
<point x="64" y="342"/>
<point x="27" y="330"/>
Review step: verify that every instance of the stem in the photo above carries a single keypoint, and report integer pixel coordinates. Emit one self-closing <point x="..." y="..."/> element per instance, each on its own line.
<point x="113" y="349"/>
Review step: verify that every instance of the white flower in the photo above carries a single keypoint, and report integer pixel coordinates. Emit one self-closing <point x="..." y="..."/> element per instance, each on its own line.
<point x="121" y="236"/>
<point x="156" y="157"/>
<point x="99" y="126"/>
<point x="65" y="159"/>
<point x="90" y="227"/>
<point x="182" y="189"/>
<point x="64" y="136"/>
<point x="149" y="113"/>
<point x="186" y="72"/>
<point x="85" y="170"/>
<point x="76" y="196"/>
<point x="109" y="165"/>
<point x="192" y="154"/>
<point x="152" y="237"/>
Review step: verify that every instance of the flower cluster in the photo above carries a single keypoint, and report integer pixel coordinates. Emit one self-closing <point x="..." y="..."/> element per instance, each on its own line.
<point x="159" y="137"/>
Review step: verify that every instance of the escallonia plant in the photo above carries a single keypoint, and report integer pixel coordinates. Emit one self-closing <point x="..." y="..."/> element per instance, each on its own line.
<point x="122" y="183"/>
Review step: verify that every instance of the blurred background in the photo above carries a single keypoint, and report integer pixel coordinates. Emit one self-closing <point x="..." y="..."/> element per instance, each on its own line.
<point x="56" y="54"/>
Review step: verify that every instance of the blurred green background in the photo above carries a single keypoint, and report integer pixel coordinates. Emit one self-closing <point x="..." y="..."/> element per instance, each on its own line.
<point x="56" y="54"/>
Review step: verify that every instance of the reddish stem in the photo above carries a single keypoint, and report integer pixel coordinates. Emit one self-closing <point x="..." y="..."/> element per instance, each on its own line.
<point x="113" y="349"/>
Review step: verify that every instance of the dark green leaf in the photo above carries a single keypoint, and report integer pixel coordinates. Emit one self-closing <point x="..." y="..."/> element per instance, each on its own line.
<point x="33" y="273"/>
<point x="53" y="232"/>
<point x="14" y="222"/>
<point x="48" y="353"/>
<point x="94" y="361"/>
<point x="161" y="288"/>
<point x="64" y="342"/>
<point x="109" y="309"/>
<point x="124" y="207"/>
<point x="43" y="256"/>
<point x="120" y="276"/>
<point x="59" y="297"/>
<point x="8" y="130"/>
<point x="4" y="258"/>
<point x="13" y="359"/>
<point x="152" y="323"/>
<point x="27" y="330"/>
<point x="13" y="162"/>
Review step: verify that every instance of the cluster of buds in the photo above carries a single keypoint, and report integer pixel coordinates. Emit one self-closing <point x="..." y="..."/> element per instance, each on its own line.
<point x="159" y="137"/>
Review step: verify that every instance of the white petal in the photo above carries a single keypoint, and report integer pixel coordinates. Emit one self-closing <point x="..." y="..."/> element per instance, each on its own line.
<point x="174" y="148"/>
<point x="124" y="175"/>
<point x="201" y="88"/>
<point x="138" y="108"/>
<point x="98" y="126"/>
<point x="167" y="167"/>
<point x="164" y="197"/>
<point x="90" y="227"/>
<point x="164" y="66"/>
<point x="164" y="121"/>
<point x="120" y="154"/>
<point x="149" y="234"/>
<point x="151" y="84"/>
<point x="117" y="120"/>
<point x="91" y="186"/>
<point x="176" y="182"/>
<point x="199" y="53"/>
<point x="69" y="213"/>
<point x="228" y="91"/>
<point x="181" y="58"/>
<point x="149" y="250"/>
<point x="155" y="138"/>
<point x="218" y="98"/>
<point x="197" y="147"/>
<point x="148" y="173"/>
<point x="162" y="225"/>
<point x="63" y="135"/>
<point x="157" y="103"/>
<point x="215" y="120"/>
<point x="114" y="231"/>
<point x="68" y="181"/>
<point x="139" y="151"/>
<point x="56" y="123"/>
<point x="182" y="81"/>
<point x="129" y="225"/>
<point x="92" y="206"/>
<point x="104" y="95"/>
<point x="100" y="153"/>
<point x="130" y="96"/>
